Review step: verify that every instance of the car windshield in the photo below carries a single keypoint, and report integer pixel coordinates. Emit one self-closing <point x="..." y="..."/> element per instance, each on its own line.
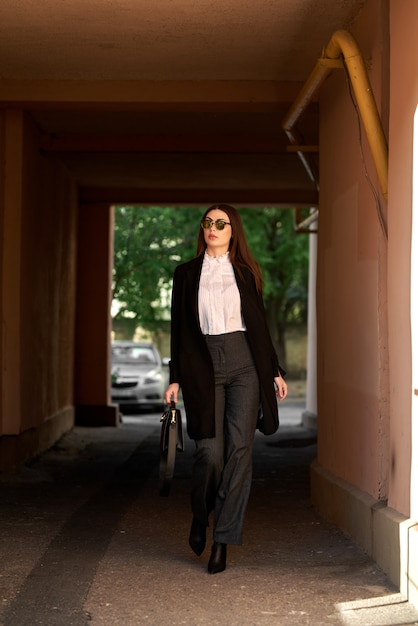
<point x="133" y="354"/>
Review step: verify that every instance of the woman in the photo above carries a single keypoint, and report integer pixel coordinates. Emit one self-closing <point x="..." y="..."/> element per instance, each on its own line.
<point x="223" y="359"/>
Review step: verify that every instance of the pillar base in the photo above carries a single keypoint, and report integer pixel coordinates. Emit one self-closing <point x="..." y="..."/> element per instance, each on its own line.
<point x="387" y="536"/>
<point x="97" y="415"/>
<point x="310" y="420"/>
<point x="18" y="449"/>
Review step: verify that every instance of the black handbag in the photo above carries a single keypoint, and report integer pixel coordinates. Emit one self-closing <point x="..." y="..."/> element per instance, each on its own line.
<point x="171" y="441"/>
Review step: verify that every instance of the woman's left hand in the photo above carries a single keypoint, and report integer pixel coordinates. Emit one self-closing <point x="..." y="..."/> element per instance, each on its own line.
<point x="281" y="387"/>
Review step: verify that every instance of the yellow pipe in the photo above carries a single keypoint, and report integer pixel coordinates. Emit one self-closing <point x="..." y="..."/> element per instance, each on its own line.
<point x="343" y="43"/>
<point x="304" y="225"/>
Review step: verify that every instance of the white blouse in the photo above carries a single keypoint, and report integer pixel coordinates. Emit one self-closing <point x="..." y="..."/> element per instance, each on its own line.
<point x="219" y="298"/>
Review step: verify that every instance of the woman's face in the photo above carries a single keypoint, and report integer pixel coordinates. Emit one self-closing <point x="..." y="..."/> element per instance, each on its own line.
<point x="217" y="241"/>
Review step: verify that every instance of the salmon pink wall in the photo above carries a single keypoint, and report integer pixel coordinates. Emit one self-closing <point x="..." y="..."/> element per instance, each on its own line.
<point x="48" y="260"/>
<point x="351" y="298"/>
<point x="403" y="106"/>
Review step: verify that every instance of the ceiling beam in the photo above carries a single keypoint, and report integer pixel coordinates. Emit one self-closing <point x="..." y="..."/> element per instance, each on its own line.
<point x="199" y="144"/>
<point x="247" y="197"/>
<point x="249" y="92"/>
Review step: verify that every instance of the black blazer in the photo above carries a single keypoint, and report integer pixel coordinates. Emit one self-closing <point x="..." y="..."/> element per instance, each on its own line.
<point x="191" y="363"/>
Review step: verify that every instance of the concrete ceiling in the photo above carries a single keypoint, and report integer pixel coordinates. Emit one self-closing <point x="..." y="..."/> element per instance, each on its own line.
<point x="177" y="99"/>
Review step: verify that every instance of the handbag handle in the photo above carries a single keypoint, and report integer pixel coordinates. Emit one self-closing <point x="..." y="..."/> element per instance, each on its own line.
<point x="172" y="410"/>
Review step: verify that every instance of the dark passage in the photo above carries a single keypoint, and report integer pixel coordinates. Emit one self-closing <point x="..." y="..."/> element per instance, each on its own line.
<point x="85" y="538"/>
<point x="103" y="481"/>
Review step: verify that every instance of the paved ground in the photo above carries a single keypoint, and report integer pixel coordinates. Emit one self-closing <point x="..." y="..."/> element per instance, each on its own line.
<point x="85" y="539"/>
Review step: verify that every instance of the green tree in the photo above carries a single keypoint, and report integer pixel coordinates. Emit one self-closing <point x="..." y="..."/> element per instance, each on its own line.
<point x="283" y="255"/>
<point x="150" y="242"/>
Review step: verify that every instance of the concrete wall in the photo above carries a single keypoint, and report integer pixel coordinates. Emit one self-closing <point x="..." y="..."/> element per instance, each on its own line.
<point x="353" y="394"/>
<point x="93" y="321"/>
<point x="402" y="285"/>
<point x="38" y="243"/>
<point x="403" y="106"/>
<point x="362" y="477"/>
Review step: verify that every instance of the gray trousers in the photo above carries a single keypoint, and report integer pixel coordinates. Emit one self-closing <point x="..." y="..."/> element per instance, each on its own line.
<point x="222" y="470"/>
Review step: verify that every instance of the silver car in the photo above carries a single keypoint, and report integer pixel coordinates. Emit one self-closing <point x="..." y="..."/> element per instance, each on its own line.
<point x="137" y="377"/>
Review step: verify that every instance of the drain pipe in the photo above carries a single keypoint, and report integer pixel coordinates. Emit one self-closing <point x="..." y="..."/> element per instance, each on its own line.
<point x="343" y="43"/>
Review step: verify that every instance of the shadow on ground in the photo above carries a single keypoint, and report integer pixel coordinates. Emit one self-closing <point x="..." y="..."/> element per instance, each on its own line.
<point x="85" y="538"/>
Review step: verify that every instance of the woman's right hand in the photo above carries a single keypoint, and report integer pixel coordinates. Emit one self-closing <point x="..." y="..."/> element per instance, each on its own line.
<point x="172" y="393"/>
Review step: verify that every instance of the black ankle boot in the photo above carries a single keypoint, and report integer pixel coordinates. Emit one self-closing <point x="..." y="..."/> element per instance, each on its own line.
<point x="217" y="561"/>
<point x="197" y="537"/>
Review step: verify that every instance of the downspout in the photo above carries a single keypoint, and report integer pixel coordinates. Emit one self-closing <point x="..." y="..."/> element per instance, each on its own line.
<point x="343" y="43"/>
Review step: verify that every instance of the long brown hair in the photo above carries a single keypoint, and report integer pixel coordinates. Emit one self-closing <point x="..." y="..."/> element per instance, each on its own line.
<point x="240" y="254"/>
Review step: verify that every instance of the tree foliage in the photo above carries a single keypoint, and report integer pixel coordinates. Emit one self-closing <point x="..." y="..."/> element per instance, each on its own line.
<point x="283" y="256"/>
<point x="150" y="242"/>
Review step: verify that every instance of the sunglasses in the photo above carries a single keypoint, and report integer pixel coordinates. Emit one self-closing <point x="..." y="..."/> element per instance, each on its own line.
<point x="219" y="224"/>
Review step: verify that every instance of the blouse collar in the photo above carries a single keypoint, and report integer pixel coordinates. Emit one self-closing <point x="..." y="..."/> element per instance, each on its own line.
<point x="220" y="259"/>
